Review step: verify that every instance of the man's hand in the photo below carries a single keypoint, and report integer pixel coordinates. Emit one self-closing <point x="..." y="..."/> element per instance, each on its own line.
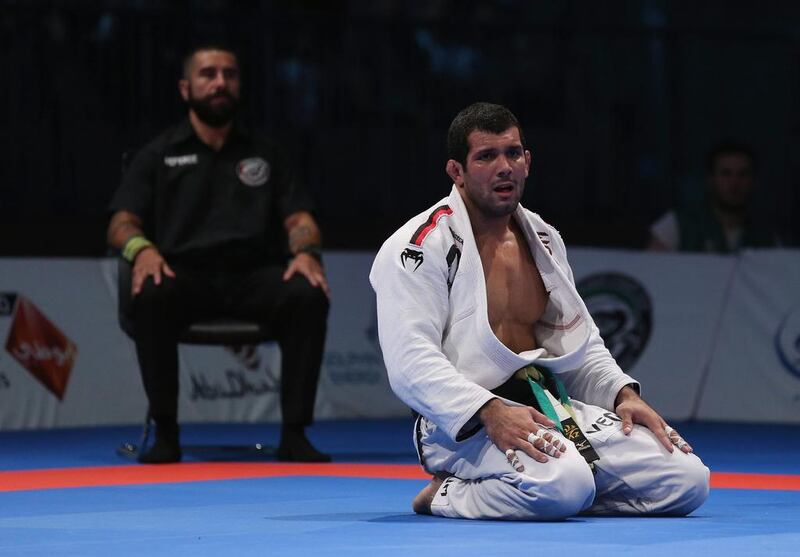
<point x="149" y="263"/>
<point x="308" y="266"/>
<point x="633" y="410"/>
<point x="510" y="427"/>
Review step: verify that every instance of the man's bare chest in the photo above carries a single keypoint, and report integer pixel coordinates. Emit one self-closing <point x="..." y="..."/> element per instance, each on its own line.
<point x="516" y="296"/>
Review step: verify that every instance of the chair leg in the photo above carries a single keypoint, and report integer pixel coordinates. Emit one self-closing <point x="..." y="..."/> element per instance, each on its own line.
<point x="129" y="450"/>
<point x="222" y="452"/>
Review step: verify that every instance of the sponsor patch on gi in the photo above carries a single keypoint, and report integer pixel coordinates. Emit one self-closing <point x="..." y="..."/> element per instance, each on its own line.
<point x="253" y="172"/>
<point x="453" y="259"/>
<point x="787" y="341"/>
<point x="603" y="425"/>
<point x="440" y="499"/>
<point x="621" y="308"/>
<point x="545" y="238"/>
<point x="413" y="256"/>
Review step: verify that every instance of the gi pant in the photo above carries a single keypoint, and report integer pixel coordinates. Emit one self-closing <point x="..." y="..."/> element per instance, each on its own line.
<point x="635" y="475"/>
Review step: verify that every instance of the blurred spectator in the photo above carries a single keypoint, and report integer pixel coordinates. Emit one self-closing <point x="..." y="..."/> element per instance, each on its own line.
<point x="724" y="222"/>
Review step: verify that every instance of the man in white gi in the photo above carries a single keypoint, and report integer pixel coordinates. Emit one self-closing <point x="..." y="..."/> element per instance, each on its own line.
<point x="522" y="412"/>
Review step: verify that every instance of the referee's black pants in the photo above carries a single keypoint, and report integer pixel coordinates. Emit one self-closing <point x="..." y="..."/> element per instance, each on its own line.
<point x="294" y="311"/>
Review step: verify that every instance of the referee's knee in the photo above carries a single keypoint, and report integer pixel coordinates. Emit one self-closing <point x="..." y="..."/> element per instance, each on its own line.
<point x="305" y="297"/>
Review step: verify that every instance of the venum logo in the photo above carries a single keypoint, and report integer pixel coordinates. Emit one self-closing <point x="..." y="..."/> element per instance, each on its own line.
<point x="787" y="341"/>
<point x="415" y="256"/>
<point x="622" y="311"/>
<point x="606" y="420"/>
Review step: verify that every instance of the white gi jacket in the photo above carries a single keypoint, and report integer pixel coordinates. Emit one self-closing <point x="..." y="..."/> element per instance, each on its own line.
<point x="440" y="352"/>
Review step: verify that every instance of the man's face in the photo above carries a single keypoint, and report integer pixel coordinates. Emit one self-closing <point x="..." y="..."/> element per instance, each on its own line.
<point x="494" y="178"/>
<point x="732" y="181"/>
<point x="211" y="86"/>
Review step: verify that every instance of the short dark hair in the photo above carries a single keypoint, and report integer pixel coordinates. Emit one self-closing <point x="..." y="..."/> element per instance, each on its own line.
<point x="730" y="148"/>
<point x="203" y="47"/>
<point x="483" y="116"/>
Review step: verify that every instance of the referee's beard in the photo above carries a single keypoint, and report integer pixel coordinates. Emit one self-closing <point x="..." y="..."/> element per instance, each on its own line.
<point x="214" y="115"/>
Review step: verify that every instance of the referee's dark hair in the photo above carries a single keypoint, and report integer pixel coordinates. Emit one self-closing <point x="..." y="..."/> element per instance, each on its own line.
<point x="202" y="47"/>
<point x="483" y="116"/>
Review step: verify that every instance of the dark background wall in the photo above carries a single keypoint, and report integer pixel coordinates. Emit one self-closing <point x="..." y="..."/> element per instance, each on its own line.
<point x="619" y="100"/>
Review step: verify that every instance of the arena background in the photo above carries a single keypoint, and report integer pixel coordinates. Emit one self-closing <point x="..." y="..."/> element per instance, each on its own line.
<point x="620" y="101"/>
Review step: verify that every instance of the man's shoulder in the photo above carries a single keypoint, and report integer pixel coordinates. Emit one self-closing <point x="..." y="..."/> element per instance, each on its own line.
<point x="425" y="237"/>
<point x="167" y="137"/>
<point x="421" y="229"/>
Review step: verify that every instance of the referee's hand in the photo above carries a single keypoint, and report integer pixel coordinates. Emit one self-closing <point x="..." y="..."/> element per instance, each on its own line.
<point x="149" y="263"/>
<point x="308" y="266"/>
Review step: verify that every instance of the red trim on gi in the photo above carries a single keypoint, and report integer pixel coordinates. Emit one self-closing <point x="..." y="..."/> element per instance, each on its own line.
<point x="430" y="224"/>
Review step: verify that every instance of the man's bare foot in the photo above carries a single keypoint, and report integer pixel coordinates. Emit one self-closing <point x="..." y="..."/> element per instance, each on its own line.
<point x="422" y="502"/>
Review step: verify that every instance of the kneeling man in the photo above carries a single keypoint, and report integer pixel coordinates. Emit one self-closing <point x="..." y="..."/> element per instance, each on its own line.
<point x="522" y="413"/>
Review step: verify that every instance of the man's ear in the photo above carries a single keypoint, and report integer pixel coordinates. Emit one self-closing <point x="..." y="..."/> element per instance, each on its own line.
<point x="183" y="87"/>
<point x="455" y="171"/>
<point x="527" y="162"/>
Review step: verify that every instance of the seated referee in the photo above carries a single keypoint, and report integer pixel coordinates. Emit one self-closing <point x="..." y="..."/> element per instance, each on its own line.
<point x="204" y="214"/>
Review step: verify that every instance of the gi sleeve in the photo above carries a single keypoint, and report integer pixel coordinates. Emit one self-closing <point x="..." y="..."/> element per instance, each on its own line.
<point x="410" y="283"/>
<point x="599" y="379"/>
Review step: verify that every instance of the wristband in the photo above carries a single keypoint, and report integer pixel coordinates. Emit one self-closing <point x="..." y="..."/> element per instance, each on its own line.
<point x="312" y="250"/>
<point x="133" y="246"/>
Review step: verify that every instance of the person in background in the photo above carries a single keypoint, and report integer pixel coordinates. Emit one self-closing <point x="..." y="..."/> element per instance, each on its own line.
<point x="724" y="223"/>
<point x="214" y="224"/>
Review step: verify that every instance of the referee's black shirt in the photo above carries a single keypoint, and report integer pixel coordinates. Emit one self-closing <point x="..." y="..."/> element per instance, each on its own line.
<point x="199" y="205"/>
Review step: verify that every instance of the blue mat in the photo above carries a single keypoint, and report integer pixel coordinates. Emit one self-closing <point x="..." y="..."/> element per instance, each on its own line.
<point x="352" y="516"/>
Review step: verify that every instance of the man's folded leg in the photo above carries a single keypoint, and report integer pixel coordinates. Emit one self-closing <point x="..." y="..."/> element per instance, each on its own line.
<point x="636" y="475"/>
<point x="483" y="484"/>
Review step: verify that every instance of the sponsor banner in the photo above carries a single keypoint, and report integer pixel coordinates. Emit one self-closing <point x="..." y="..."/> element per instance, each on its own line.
<point x="243" y="383"/>
<point x="755" y="372"/>
<point x="657" y="314"/>
<point x="354" y="380"/>
<point x="65" y="362"/>
<point x="39" y="346"/>
<point x="229" y="383"/>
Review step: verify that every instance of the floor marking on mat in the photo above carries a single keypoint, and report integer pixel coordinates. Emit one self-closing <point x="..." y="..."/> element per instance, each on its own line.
<point x="145" y="474"/>
<point x="56" y="478"/>
<point x="755" y="481"/>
